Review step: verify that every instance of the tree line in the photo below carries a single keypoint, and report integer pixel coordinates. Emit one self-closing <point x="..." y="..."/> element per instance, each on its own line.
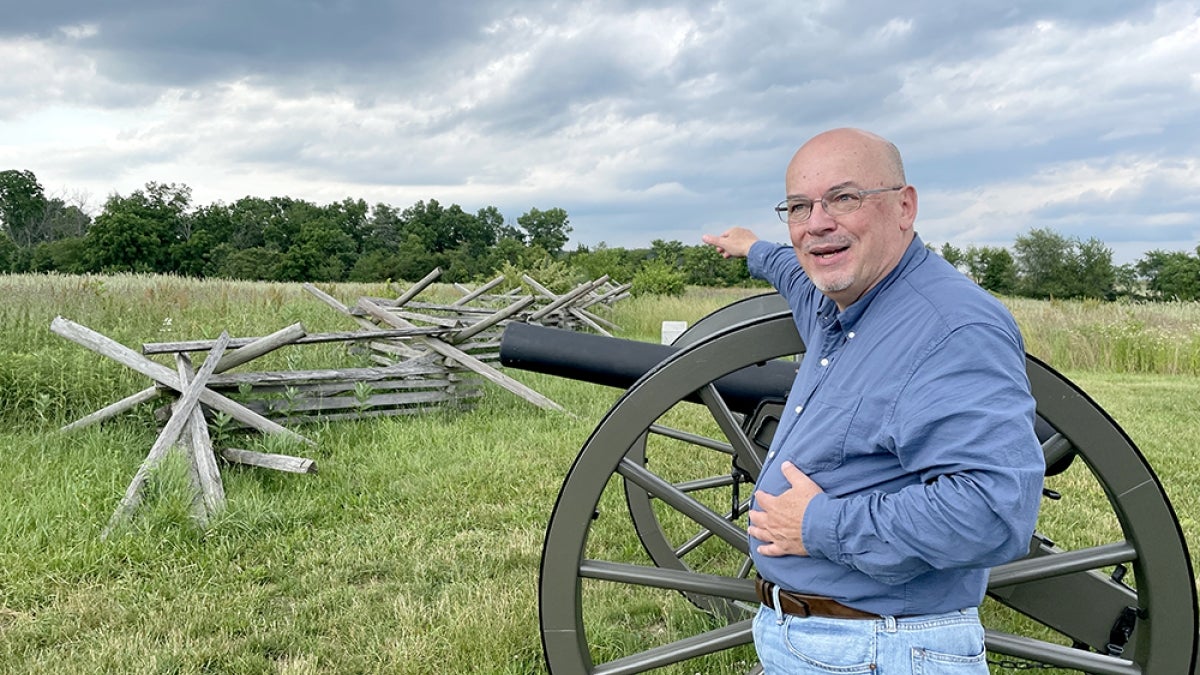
<point x="158" y="229"/>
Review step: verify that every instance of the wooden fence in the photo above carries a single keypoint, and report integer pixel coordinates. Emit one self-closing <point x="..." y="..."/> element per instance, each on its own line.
<point x="424" y="356"/>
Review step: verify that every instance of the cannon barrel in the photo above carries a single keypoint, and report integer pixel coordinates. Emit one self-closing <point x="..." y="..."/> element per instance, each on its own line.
<point x="616" y="362"/>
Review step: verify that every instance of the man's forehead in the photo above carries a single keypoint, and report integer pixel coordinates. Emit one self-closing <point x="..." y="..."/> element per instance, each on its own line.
<point x="821" y="171"/>
<point x="824" y="191"/>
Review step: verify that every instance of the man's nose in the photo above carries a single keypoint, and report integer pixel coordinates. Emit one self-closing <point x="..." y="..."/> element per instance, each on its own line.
<point x="819" y="221"/>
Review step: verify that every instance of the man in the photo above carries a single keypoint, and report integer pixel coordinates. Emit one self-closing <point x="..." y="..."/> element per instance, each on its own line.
<point x="905" y="463"/>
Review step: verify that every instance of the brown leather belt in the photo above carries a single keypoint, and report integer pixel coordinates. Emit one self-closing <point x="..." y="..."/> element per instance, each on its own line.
<point x="800" y="604"/>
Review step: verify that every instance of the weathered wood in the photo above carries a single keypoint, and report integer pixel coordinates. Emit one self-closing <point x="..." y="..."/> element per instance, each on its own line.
<point x="349" y="387"/>
<point x="86" y="337"/>
<point x="115" y="409"/>
<point x="337" y="305"/>
<point x="595" y="317"/>
<point x="466" y="360"/>
<point x="451" y="309"/>
<point x="606" y="297"/>
<point x="166" y="438"/>
<point x="204" y="462"/>
<point x="453" y="403"/>
<point x="582" y="316"/>
<point x="435" y="320"/>
<point x="268" y="460"/>
<point x="398" y="349"/>
<point x="479" y="291"/>
<point x="302" y="405"/>
<point x="261" y="346"/>
<point x="293" y="377"/>
<point x="532" y="283"/>
<point x="432" y="401"/>
<point x="566" y="298"/>
<point x="151" y="348"/>
<point x="470" y="331"/>
<point x="417" y="287"/>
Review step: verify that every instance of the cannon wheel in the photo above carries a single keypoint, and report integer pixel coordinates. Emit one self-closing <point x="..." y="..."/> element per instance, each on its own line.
<point x="606" y="607"/>
<point x="641" y="503"/>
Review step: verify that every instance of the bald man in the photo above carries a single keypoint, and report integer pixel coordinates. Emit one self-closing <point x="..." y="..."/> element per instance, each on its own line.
<point x="905" y="463"/>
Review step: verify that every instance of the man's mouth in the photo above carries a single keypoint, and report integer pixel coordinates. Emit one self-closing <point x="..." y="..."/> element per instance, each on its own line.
<point x="826" y="252"/>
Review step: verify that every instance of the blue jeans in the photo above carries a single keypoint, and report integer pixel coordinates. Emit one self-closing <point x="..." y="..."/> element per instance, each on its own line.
<point x="931" y="644"/>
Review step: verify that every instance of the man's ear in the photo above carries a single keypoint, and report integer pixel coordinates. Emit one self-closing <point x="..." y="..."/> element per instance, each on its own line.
<point x="908" y="207"/>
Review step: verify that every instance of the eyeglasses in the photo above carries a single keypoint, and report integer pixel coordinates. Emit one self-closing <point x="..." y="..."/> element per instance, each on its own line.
<point x="836" y="202"/>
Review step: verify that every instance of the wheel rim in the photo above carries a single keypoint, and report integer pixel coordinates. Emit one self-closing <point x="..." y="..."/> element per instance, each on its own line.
<point x="1150" y="542"/>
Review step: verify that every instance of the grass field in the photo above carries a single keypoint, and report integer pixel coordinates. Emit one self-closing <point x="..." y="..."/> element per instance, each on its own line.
<point x="416" y="547"/>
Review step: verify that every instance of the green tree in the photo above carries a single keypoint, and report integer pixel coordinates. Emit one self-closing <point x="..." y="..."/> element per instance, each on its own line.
<point x="703" y="265"/>
<point x="669" y="252"/>
<point x="491" y="219"/>
<point x="22" y="207"/>
<point x="431" y="224"/>
<point x="61" y="220"/>
<point x="67" y="255"/>
<point x="383" y="230"/>
<point x="658" y="278"/>
<point x="548" y="229"/>
<point x="251" y="264"/>
<point x="953" y="255"/>
<point x="1171" y="275"/>
<point x="508" y="250"/>
<point x="351" y="216"/>
<point x="1053" y="266"/>
<point x="321" y="251"/>
<point x="286" y="219"/>
<point x="1042" y="258"/>
<point x="196" y="255"/>
<point x="8" y="254"/>
<point x="1092" y="269"/>
<point x="249" y="218"/>
<point x="992" y="268"/>
<point x="600" y="261"/>
<point x="375" y="265"/>
<point x="415" y="259"/>
<point x="136" y="233"/>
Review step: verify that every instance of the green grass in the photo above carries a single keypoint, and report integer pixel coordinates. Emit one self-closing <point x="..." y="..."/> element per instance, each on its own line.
<point x="416" y="548"/>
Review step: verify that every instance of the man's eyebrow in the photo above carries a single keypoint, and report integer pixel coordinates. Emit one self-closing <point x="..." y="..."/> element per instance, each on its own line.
<point x="839" y="186"/>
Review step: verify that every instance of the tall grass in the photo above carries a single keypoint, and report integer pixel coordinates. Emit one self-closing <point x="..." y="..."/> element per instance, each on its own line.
<point x="416" y="547"/>
<point x="1114" y="337"/>
<point x="1075" y="335"/>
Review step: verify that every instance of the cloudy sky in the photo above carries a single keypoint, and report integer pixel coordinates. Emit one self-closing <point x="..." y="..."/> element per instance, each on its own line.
<point x="644" y="120"/>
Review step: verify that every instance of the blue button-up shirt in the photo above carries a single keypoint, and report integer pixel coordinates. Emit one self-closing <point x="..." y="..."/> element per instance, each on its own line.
<point x="911" y="409"/>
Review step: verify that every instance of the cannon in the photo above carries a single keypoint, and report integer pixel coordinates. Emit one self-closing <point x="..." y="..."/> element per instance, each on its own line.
<point x="1107" y="586"/>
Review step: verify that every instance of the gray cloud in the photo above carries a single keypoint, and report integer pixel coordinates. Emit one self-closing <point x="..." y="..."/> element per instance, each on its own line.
<point x="643" y="120"/>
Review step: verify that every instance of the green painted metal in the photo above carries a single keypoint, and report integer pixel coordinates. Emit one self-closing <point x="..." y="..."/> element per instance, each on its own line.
<point x="1067" y="592"/>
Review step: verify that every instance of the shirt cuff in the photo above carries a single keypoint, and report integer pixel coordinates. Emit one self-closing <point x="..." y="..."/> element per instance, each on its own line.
<point x="819" y="529"/>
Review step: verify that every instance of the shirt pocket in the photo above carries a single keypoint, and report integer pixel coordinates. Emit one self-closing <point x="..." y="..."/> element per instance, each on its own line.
<point x="828" y="420"/>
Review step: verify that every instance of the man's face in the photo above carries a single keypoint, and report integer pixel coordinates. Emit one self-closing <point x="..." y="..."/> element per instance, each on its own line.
<point x="846" y="255"/>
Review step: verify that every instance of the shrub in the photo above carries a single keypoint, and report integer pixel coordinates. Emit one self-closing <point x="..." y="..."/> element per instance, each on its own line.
<point x="657" y="278"/>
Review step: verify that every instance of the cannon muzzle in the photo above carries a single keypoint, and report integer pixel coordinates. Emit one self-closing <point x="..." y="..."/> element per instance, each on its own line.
<point x="617" y="362"/>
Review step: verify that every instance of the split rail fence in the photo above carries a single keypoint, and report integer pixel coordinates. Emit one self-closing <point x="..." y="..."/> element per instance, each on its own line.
<point x="425" y="356"/>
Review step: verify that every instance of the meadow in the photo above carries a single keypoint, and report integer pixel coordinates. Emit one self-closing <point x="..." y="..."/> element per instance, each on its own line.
<point x="415" y="549"/>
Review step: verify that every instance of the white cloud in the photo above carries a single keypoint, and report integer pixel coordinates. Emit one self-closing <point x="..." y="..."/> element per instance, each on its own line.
<point x="644" y="121"/>
<point x="1115" y="200"/>
<point x="80" y="31"/>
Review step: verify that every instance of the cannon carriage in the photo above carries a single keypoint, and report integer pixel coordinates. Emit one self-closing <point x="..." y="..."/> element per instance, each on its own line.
<point x="646" y="567"/>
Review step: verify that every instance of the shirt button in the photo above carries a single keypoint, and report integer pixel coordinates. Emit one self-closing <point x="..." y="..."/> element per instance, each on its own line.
<point x="771" y="454"/>
<point x="824" y="362"/>
<point x="850" y="335"/>
<point x="799" y="409"/>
